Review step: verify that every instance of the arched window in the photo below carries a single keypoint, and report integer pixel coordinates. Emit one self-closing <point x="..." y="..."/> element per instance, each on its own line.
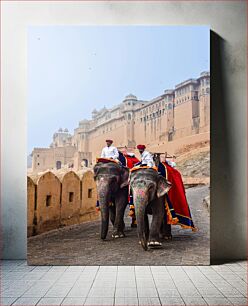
<point x="85" y="162"/>
<point x="58" y="164"/>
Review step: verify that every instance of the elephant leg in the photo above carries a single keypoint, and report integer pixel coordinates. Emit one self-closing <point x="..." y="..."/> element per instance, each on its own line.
<point x="146" y="227"/>
<point x="121" y="204"/>
<point x="165" y="231"/>
<point x="157" y="219"/>
<point x="119" y="224"/>
<point x="112" y="213"/>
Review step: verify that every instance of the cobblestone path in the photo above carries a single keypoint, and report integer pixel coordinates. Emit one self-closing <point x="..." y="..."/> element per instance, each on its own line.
<point x="81" y="245"/>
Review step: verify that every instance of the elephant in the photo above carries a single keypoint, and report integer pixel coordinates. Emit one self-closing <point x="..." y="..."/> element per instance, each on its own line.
<point x="149" y="189"/>
<point x="112" y="189"/>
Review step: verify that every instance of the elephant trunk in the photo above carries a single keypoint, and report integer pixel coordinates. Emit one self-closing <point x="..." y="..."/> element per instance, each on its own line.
<point x="105" y="220"/>
<point x="140" y="203"/>
<point x="104" y="207"/>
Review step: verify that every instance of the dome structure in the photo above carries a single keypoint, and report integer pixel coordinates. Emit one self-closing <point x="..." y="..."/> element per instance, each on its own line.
<point x="130" y="97"/>
<point x="94" y="113"/>
<point x="60" y="130"/>
<point x="84" y="121"/>
<point x="66" y="130"/>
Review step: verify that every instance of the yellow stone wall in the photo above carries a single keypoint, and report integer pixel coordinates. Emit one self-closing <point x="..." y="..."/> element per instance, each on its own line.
<point x="62" y="198"/>
<point x="48" y="202"/>
<point x="88" y="196"/>
<point x="70" y="198"/>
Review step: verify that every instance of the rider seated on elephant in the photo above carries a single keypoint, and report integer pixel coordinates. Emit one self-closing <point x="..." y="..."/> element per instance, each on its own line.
<point x="146" y="157"/>
<point x="110" y="151"/>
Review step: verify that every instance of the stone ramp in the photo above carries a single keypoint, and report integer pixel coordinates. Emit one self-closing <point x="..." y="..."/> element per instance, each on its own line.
<point x="81" y="245"/>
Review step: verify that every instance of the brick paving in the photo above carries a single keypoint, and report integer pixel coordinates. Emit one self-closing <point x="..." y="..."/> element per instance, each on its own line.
<point x="81" y="245"/>
<point x="123" y="285"/>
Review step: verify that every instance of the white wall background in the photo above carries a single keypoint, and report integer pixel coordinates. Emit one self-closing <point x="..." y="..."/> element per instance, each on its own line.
<point x="227" y="20"/>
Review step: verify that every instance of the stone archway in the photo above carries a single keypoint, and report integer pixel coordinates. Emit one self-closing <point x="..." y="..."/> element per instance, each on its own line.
<point x="85" y="162"/>
<point x="58" y="164"/>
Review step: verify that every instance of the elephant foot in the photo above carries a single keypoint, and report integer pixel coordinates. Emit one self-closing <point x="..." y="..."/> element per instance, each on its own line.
<point x="117" y="235"/>
<point x="168" y="237"/>
<point x="103" y="236"/>
<point x="154" y="244"/>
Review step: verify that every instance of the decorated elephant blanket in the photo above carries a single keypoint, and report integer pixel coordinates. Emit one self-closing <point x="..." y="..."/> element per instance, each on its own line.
<point x="128" y="160"/>
<point x="177" y="207"/>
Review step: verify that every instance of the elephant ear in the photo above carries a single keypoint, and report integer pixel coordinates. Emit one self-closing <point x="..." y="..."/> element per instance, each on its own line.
<point x="124" y="177"/>
<point x="163" y="186"/>
<point x="96" y="170"/>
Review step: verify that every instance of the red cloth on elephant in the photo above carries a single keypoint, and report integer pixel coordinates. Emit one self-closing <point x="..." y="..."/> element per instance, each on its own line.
<point x="177" y="198"/>
<point x="131" y="160"/>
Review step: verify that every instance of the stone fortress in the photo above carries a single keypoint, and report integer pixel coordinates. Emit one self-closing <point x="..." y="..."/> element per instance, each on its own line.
<point x="177" y="118"/>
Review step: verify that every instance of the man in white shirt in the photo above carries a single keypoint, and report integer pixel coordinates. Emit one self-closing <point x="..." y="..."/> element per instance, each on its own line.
<point x="110" y="151"/>
<point x="146" y="157"/>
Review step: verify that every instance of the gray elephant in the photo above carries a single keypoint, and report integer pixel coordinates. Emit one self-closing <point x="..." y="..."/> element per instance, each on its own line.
<point x="112" y="189"/>
<point x="149" y="189"/>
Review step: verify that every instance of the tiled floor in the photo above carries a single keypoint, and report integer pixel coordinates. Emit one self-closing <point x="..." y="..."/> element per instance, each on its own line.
<point x="123" y="285"/>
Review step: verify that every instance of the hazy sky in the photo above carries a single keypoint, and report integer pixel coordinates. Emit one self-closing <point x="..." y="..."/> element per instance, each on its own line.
<point x="74" y="69"/>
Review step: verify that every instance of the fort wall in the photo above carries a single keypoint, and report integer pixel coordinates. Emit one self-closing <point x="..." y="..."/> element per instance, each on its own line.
<point x="57" y="199"/>
<point x="70" y="198"/>
<point x="176" y="114"/>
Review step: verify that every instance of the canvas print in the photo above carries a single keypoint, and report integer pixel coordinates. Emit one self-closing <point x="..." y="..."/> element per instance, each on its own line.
<point x="118" y="145"/>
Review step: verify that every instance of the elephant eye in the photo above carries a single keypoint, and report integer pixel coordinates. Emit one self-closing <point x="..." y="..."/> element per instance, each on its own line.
<point x="150" y="186"/>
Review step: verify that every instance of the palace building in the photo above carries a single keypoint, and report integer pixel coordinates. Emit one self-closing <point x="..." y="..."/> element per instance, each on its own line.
<point x="176" y="118"/>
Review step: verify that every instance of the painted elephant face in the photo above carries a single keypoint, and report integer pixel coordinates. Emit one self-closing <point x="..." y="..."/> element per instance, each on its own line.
<point x="149" y="183"/>
<point x="110" y="177"/>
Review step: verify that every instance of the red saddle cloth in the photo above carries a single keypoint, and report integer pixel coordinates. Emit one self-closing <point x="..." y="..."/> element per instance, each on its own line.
<point x="130" y="160"/>
<point x="178" y="211"/>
